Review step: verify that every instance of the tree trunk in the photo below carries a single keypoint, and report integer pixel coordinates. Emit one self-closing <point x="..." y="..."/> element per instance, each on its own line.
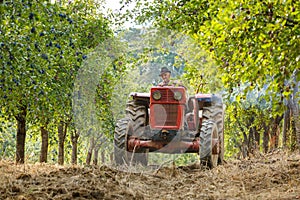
<point x="295" y="108"/>
<point x="102" y="157"/>
<point x="279" y="119"/>
<point x="21" y="136"/>
<point x="293" y="144"/>
<point x="96" y="151"/>
<point x="96" y="154"/>
<point x="44" y="147"/>
<point x="266" y="138"/>
<point x="74" y="139"/>
<point x="251" y="140"/>
<point x="254" y="138"/>
<point x="111" y="157"/>
<point x="90" y="151"/>
<point x="245" y="146"/>
<point x="275" y="132"/>
<point x="62" y="132"/>
<point x="286" y="127"/>
<point x="257" y="138"/>
<point x="296" y="124"/>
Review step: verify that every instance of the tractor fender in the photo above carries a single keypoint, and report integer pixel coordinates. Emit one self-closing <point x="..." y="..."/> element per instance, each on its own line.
<point x="143" y="96"/>
<point x="139" y="95"/>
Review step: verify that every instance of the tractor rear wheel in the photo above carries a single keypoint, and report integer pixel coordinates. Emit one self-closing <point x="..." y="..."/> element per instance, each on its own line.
<point x="209" y="144"/>
<point x="215" y="112"/>
<point x="124" y="129"/>
<point x="138" y="113"/>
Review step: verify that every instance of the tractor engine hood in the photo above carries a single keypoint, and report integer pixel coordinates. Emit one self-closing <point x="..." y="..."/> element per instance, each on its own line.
<point x="167" y="108"/>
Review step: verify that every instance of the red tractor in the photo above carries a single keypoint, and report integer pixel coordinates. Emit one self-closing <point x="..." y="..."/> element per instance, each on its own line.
<point x="167" y="121"/>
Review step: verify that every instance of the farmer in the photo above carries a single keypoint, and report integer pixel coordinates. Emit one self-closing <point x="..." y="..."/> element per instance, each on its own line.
<point x="165" y="74"/>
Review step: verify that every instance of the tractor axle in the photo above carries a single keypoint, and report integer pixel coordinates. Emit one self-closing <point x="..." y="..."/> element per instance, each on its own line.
<point x="134" y="144"/>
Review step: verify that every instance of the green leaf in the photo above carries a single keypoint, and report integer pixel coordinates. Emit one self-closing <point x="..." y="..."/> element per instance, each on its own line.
<point x="264" y="46"/>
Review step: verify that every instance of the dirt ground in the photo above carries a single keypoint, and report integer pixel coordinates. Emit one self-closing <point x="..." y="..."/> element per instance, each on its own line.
<point x="272" y="176"/>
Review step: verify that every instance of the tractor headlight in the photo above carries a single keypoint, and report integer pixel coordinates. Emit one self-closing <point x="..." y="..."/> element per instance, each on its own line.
<point x="177" y="96"/>
<point x="156" y="95"/>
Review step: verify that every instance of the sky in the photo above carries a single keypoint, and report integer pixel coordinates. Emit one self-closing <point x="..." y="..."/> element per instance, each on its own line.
<point x="113" y="4"/>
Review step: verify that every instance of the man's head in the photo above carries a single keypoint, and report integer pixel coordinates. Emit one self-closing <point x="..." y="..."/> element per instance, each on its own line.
<point x="165" y="74"/>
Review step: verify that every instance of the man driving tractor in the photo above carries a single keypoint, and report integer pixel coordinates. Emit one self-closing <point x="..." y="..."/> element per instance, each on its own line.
<point x="165" y="74"/>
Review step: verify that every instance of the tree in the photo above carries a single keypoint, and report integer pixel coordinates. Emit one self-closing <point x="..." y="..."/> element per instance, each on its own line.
<point x="42" y="46"/>
<point x="239" y="34"/>
<point x="253" y="42"/>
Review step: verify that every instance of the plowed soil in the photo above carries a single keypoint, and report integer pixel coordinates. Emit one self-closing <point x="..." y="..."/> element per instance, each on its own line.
<point x="271" y="176"/>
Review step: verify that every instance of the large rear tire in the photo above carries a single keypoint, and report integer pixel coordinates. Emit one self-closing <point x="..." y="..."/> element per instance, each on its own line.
<point x="215" y="112"/>
<point x="120" y="141"/>
<point x="123" y="130"/>
<point x="137" y="111"/>
<point x="209" y="145"/>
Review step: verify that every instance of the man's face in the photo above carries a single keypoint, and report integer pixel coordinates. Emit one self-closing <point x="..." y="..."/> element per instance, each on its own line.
<point x="166" y="77"/>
